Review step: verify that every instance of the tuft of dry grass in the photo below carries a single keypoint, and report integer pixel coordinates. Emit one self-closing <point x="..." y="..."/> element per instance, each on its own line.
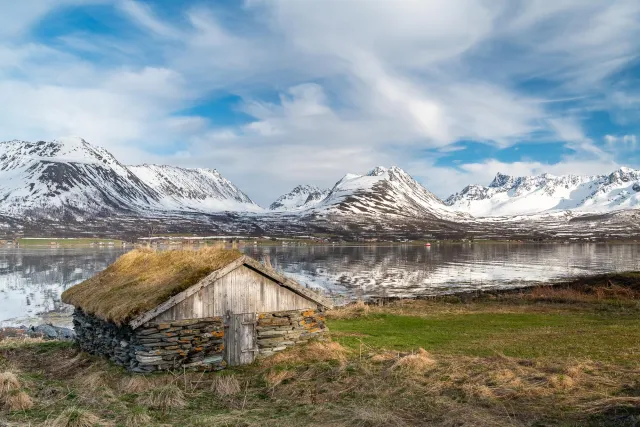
<point x="275" y="378"/>
<point x="141" y="279"/>
<point x="375" y="415"/>
<point x="385" y="356"/>
<point x="94" y="380"/>
<point x="138" y="417"/>
<point x="11" y="395"/>
<point x="416" y="363"/>
<point x="561" y="382"/>
<point x="18" y="400"/>
<point x="136" y="384"/>
<point x="8" y="382"/>
<point x="165" y="398"/>
<point x="226" y="385"/>
<point x="351" y="311"/>
<point x="316" y="351"/>
<point x="75" y="417"/>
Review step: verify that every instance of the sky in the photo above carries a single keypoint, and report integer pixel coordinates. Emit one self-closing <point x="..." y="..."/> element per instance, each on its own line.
<point x="276" y="93"/>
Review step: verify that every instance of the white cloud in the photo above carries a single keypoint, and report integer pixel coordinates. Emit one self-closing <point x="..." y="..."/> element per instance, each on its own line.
<point x="627" y="141"/>
<point x="357" y="84"/>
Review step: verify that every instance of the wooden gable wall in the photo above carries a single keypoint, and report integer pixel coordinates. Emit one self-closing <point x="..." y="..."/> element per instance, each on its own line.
<point x="243" y="290"/>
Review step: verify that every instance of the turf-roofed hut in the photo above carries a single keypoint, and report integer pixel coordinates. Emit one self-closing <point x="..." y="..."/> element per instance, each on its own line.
<point x="209" y="308"/>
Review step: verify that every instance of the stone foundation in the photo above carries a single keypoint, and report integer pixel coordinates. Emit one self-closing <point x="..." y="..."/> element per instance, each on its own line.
<point x="279" y="330"/>
<point x="154" y="346"/>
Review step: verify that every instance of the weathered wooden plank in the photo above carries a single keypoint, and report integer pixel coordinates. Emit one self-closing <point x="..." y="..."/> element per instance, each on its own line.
<point x="288" y="283"/>
<point x="241" y="287"/>
<point x="145" y="317"/>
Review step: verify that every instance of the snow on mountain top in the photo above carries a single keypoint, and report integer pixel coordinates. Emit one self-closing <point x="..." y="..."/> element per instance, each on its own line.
<point x="507" y="195"/>
<point x="302" y="196"/>
<point x="70" y="149"/>
<point x="197" y="189"/>
<point x="385" y="191"/>
<point x="69" y="176"/>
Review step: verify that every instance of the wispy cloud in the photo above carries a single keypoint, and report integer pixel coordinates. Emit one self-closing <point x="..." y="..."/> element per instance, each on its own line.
<point x="330" y="86"/>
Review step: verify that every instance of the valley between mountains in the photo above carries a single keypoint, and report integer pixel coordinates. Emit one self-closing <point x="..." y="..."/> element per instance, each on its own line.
<point x="70" y="187"/>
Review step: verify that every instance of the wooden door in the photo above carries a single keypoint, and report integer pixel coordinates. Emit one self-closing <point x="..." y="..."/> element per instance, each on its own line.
<point x="240" y="339"/>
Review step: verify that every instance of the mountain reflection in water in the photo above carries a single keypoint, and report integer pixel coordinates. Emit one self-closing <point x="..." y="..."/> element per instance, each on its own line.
<point x="31" y="280"/>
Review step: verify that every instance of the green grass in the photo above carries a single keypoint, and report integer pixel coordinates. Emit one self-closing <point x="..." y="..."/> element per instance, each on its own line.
<point x="604" y="337"/>
<point x="553" y="357"/>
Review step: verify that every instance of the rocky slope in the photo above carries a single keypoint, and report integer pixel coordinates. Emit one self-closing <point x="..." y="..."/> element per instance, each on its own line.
<point x="385" y="191"/>
<point x="509" y="196"/>
<point x="302" y="196"/>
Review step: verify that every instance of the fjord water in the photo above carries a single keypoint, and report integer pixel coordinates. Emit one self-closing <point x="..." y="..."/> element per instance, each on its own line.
<point x="31" y="280"/>
<point x="409" y="270"/>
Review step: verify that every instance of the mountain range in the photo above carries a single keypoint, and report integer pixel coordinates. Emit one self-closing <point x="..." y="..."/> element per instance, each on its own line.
<point x="508" y="195"/>
<point x="71" y="181"/>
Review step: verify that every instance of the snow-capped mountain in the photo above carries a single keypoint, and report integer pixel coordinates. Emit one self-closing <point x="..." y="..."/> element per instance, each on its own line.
<point x="385" y="191"/>
<point x="197" y="189"/>
<point x="303" y="196"/>
<point x="72" y="179"/>
<point x="67" y="177"/>
<point x="508" y="195"/>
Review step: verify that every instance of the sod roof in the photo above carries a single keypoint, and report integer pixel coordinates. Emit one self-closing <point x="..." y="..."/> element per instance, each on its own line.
<point x="141" y="279"/>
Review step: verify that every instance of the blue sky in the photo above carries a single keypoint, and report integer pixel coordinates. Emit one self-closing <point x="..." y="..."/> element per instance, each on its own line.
<point x="275" y="93"/>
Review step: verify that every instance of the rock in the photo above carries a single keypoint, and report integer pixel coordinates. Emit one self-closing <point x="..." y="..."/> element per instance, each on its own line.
<point x="46" y="331"/>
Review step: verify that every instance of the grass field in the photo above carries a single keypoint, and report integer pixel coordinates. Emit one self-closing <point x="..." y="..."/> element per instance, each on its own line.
<point x="67" y="242"/>
<point x="548" y="356"/>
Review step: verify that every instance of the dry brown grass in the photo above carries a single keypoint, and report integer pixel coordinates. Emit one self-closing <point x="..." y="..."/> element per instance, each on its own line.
<point x="165" y="398"/>
<point x="138" y="418"/>
<point x="94" y="380"/>
<point x="18" y="400"/>
<point x="604" y="405"/>
<point x="141" y="279"/>
<point x="136" y="384"/>
<point x="275" y="378"/>
<point x="416" y="363"/>
<point x="8" y="382"/>
<point x="581" y="295"/>
<point x="75" y="417"/>
<point x="12" y="397"/>
<point x="225" y="385"/>
<point x="317" y="351"/>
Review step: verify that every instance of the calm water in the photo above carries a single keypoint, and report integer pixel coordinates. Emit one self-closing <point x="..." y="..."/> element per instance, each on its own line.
<point x="31" y="280"/>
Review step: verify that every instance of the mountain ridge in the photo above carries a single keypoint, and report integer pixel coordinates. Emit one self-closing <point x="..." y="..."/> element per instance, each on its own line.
<point x="70" y="179"/>
<point x="545" y="193"/>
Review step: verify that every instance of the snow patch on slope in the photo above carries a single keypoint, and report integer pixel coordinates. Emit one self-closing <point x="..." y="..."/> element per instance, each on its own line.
<point x="203" y="190"/>
<point x="302" y="196"/>
<point x="385" y="191"/>
<point x="509" y="196"/>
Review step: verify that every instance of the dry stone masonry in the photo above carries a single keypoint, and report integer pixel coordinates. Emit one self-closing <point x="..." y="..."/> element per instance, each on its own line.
<point x="278" y="330"/>
<point x="154" y="346"/>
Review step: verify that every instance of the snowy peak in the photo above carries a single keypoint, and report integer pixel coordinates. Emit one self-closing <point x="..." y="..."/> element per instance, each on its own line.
<point x="384" y="191"/>
<point x="501" y="180"/>
<point x="14" y="154"/>
<point x="507" y="195"/>
<point x="72" y="179"/>
<point x="194" y="189"/>
<point x="302" y="196"/>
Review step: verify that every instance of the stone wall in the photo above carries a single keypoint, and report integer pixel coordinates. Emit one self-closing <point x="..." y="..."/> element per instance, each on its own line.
<point x="279" y="330"/>
<point x="154" y="346"/>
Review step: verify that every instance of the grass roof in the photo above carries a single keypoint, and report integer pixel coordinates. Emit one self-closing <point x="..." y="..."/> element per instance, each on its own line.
<point x="141" y="279"/>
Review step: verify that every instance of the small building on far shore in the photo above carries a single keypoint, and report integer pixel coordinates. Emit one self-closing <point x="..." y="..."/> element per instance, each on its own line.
<point x="208" y="308"/>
